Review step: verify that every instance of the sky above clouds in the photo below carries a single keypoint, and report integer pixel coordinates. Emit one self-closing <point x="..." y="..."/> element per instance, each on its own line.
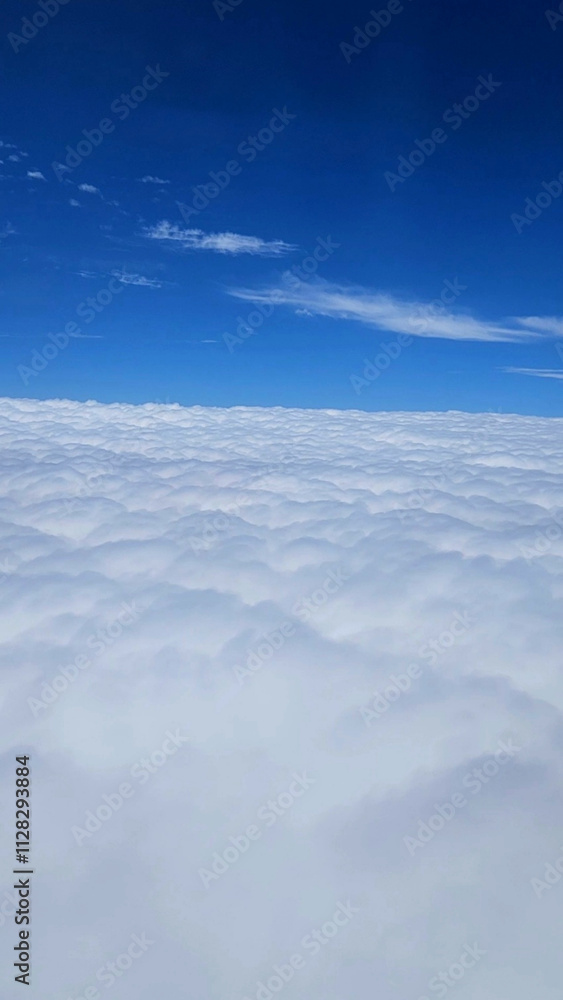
<point x="355" y="617"/>
<point x="210" y="156"/>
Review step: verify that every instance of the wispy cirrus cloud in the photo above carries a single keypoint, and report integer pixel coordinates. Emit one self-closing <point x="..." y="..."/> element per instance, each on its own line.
<point x="149" y="179"/>
<point x="125" y="277"/>
<point x="387" y="312"/>
<point x="89" y="189"/>
<point x="537" y="372"/>
<point x="228" y="243"/>
<point x="136" y="279"/>
<point x="547" y="324"/>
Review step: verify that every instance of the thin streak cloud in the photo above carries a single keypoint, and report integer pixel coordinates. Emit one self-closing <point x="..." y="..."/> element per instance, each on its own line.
<point x="385" y="312"/>
<point x="537" y="372"/>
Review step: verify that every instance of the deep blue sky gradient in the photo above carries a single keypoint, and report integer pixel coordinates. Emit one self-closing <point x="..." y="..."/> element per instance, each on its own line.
<point x="323" y="175"/>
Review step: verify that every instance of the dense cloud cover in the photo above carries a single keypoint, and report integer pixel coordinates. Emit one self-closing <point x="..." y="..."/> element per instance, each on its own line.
<point x="355" y="618"/>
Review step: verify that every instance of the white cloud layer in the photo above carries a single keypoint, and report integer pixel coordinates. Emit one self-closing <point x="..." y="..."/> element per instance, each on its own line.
<point x="387" y="312"/>
<point x="230" y="243"/>
<point x="149" y="551"/>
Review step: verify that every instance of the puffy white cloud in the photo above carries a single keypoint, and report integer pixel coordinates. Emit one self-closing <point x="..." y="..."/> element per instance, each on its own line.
<point x="150" y="552"/>
<point x="387" y="312"/>
<point x="230" y="243"/>
<point x="89" y="189"/>
<point x="36" y="175"/>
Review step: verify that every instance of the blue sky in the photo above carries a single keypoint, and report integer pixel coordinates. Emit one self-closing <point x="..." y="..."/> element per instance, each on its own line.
<point x="304" y="115"/>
